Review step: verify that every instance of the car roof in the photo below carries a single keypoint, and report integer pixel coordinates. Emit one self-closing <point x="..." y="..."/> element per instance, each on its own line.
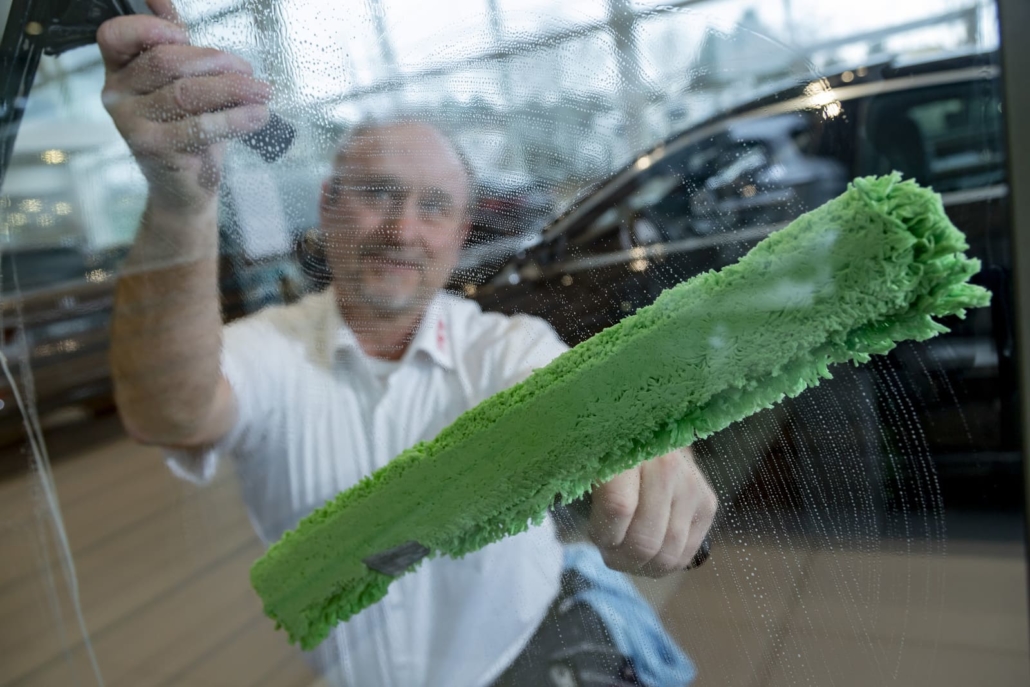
<point x="779" y="99"/>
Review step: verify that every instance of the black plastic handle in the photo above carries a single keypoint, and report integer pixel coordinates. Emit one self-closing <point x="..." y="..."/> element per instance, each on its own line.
<point x="273" y="140"/>
<point x="702" y="555"/>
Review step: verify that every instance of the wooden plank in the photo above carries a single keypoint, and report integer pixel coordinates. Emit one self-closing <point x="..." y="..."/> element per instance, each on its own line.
<point x="154" y="546"/>
<point x="90" y="521"/>
<point x="163" y="580"/>
<point x="105" y="609"/>
<point x="161" y="641"/>
<point x="291" y="672"/>
<point x="174" y="607"/>
<point x="79" y="472"/>
<point x="253" y="650"/>
<point x="174" y="503"/>
<point x="187" y="641"/>
<point x="140" y="646"/>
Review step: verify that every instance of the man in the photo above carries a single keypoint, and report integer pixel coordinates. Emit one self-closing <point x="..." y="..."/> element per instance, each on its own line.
<point x="309" y="398"/>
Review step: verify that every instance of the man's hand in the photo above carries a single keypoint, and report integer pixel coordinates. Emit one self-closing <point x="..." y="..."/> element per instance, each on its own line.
<point x="652" y="519"/>
<point x="175" y="104"/>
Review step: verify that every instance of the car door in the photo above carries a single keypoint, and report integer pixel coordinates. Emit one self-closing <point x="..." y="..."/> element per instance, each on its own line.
<point x="951" y="137"/>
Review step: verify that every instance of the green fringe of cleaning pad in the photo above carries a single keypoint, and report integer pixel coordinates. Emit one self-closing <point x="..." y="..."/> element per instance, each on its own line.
<point x="841" y="283"/>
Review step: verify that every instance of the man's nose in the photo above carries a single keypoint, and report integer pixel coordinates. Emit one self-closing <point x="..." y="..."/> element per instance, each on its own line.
<point x="403" y="216"/>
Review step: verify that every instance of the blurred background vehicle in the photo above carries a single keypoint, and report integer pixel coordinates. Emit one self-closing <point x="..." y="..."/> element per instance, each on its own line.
<point x="702" y="198"/>
<point x="55" y="306"/>
<point x="63" y="298"/>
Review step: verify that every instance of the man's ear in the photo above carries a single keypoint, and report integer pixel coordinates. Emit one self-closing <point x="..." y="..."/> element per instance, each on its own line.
<point x="464" y="230"/>
<point x="327" y="200"/>
<point x="324" y="199"/>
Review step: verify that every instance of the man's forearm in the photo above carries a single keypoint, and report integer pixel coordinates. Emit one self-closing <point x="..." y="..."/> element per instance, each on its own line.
<point x="166" y="333"/>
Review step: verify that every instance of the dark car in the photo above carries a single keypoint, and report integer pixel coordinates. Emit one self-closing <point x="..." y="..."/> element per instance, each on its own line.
<point x="702" y="199"/>
<point x="56" y="312"/>
<point x="507" y="217"/>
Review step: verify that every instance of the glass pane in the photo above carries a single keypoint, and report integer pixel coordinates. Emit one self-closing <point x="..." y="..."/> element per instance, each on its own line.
<point x="519" y="19"/>
<point x="317" y="268"/>
<point x="954" y="136"/>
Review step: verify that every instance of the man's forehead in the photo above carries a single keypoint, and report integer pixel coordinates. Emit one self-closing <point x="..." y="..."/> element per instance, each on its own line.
<point x="411" y="151"/>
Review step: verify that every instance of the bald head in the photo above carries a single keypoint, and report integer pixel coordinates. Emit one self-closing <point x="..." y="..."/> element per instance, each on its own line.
<point x="394" y="215"/>
<point x="374" y="137"/>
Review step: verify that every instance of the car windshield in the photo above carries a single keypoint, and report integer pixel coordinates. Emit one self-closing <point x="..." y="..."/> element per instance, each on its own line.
<point x="510" y="343"/>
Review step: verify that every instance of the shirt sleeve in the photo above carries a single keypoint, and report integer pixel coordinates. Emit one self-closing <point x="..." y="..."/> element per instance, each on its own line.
<point x="249" y="352"/>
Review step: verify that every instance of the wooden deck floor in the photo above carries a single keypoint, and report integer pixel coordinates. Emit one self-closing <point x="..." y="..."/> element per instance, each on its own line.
<point x="162" y="571"/>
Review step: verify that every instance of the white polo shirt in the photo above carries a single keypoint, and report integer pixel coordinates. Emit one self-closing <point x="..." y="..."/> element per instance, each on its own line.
<point x="316" y="415"/>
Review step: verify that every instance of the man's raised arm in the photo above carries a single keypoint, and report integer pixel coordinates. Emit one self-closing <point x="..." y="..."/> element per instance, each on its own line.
<point x="175" y="104"/>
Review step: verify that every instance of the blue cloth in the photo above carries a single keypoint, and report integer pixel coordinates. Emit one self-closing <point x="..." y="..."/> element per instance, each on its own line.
<point x="634" y="628"/>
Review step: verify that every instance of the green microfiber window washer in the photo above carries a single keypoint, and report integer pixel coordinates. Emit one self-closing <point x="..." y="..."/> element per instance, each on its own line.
<point x="841" y="283"/>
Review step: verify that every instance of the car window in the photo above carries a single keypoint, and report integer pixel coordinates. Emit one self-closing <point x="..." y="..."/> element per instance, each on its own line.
<point x="758" y="173"/>
<point x="30" y="270"/>
<point x="950" y="138"/>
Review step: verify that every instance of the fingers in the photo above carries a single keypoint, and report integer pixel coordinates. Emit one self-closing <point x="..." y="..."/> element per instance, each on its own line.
<point x="195" y="133"/>
<point x="673" y="554"/>
<point x="702" y="518"/>
<point x="167" y="96"/>
<point x="165" y="64"/>
<point x="123" y="38"/>
<point x="653" y="519"/>
<point x="199" y="95"/>
<point x="646" y="534"/>
<point x="612" y="509"/>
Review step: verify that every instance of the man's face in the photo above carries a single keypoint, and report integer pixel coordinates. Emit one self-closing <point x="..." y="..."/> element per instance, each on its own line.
<point x="394" y="216"/>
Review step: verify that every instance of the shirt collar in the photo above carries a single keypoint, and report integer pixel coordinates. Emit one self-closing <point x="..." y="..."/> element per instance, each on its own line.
<point x="434" y="337"/>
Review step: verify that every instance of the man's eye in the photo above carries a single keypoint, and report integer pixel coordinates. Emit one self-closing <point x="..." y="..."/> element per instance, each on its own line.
<point x="435" y="207"/>
<point x="376" y="194"/>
